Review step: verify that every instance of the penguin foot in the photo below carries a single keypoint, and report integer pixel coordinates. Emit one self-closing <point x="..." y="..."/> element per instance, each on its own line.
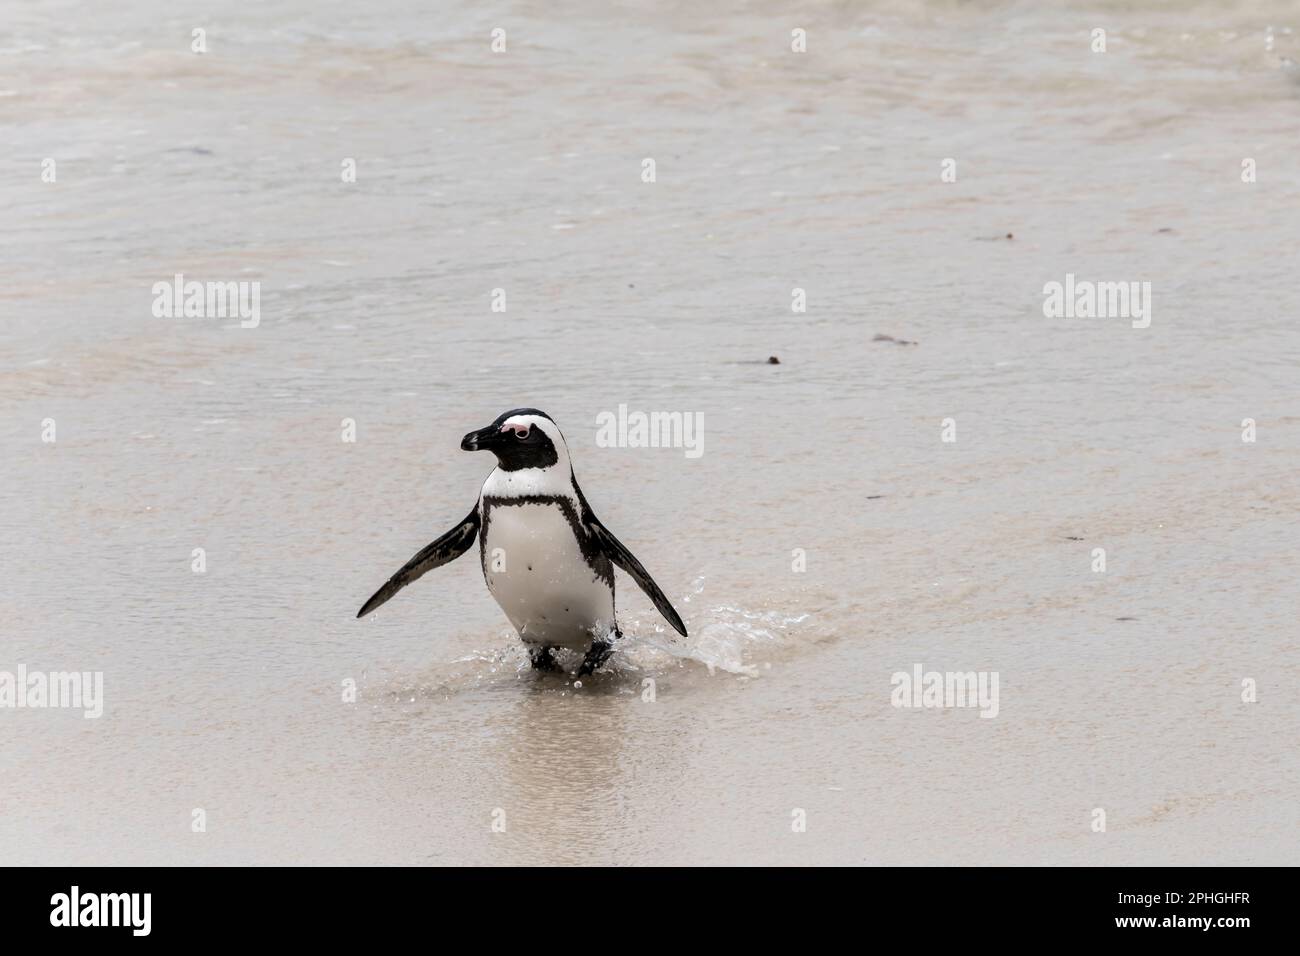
<point x="543" y="659"/>
<point x="596" y="655"/>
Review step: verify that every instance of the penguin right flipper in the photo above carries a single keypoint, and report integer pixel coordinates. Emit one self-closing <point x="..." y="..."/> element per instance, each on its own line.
<point x="626" y="560"/>
<point x="447" y="548"/>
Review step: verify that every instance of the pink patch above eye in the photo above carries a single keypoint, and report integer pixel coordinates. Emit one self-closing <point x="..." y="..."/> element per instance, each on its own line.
<point x="520" y="430"/>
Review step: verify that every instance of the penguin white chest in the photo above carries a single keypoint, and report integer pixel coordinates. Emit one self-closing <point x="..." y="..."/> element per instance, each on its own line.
<point x="534" y="567"/>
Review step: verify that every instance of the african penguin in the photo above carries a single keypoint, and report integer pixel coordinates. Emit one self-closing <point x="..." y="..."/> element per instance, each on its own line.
<point x="546" y="558"/>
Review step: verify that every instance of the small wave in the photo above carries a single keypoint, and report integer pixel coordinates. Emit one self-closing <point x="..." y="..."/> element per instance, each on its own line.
<point x="729" y="639"/>
<point x="723" y="639"/>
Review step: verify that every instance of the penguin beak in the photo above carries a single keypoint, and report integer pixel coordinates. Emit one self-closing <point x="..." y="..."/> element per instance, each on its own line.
<point x="484" y="438"/>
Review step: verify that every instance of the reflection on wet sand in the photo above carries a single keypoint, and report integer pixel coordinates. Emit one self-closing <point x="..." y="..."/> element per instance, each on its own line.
<point x="563" y="767"/>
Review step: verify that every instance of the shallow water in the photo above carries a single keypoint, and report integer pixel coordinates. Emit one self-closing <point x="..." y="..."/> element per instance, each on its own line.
<point x="475" y="171"/>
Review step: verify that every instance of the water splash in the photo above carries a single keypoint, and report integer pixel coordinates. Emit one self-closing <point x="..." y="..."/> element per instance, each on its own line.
<point x="724" y="638"/>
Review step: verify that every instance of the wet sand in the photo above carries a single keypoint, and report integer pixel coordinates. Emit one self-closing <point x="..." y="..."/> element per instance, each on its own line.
<point x="224" y="691"/>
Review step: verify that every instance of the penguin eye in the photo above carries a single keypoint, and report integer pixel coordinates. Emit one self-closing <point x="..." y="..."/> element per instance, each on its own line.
<point x="522" y="433"/>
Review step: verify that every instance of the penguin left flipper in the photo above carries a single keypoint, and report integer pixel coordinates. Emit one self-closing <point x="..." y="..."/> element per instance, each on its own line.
<point x="447" y="548"/>
<point x="626" y="560"/>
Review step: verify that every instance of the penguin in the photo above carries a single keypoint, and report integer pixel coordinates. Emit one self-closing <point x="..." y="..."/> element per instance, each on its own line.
<point x="546" y="558"/>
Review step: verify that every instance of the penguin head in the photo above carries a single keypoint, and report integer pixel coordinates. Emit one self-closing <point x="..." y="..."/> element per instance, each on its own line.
<point x="521" y="438"/>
